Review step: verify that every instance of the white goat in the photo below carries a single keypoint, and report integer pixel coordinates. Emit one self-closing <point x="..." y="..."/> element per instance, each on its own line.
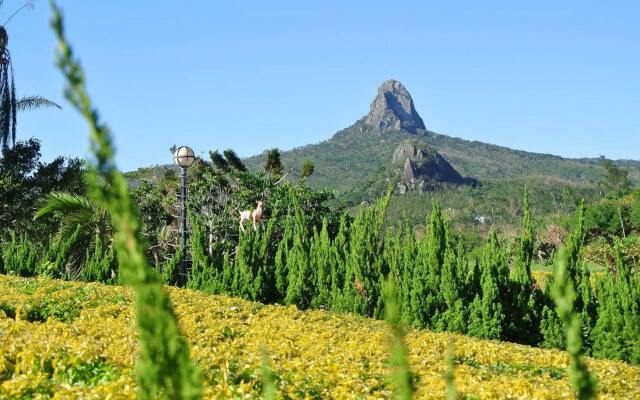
<point x="255" y="216"/>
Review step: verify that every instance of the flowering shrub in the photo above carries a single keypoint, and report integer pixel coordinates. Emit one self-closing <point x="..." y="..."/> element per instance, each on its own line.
<point x="85" y="346"/>
<point x="601" y="252"/>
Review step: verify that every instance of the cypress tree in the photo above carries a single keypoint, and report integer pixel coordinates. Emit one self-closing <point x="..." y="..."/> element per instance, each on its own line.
<point x="487" y="311"/>
<point x="203" y="274"/>
<point x="453" y="318"/>
<point x="100" y="265"/>
<point x="247" y="263"/>
<point x="171" y="269"/>
<point x="266" y="284"/>
<point x="339" y="250"/>
<point x="617" y="330"/>
<point x="322" y="260"/>
<point x="407" y="272"/>
<point x="522" y="323"/>
<point x="425" y="283"/>
<point x="300" y="290"/>
<point x="436" y="247"/>
<point x="281" y="262"/>
<point x="19" y="256"/>
<point x="364" y="269"/>
<point x="578" y="275"/>
<point x="526" y="243"/>
<point x="551" y="329"/>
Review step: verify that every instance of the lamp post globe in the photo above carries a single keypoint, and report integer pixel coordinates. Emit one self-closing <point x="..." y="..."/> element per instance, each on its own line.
<point x="184" y="158"/>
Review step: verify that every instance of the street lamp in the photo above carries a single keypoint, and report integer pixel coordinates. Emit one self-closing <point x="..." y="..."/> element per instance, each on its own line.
<point x="184" y="157"/>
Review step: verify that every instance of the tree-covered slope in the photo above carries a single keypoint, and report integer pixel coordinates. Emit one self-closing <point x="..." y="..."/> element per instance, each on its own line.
<point x="360" y="156"/>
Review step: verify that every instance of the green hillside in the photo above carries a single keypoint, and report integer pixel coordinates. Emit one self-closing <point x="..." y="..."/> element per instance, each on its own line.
<point x="358" y="155"/>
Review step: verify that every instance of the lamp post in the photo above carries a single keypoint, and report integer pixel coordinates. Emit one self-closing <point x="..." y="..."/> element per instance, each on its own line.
<point x="184" y="157"/>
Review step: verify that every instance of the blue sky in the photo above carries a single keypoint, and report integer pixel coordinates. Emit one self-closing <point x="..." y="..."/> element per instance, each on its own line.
<point x="553" y="77"/>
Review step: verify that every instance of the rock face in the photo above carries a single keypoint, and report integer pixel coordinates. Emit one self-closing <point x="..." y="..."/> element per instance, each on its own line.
<point x="422" y="167"/>
<point x="393" y="109"/>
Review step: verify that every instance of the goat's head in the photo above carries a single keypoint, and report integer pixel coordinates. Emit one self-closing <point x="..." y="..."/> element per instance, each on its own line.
<point x="259" y="204"/>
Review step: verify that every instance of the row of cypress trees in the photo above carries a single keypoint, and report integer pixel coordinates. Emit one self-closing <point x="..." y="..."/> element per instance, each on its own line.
<point x="293" y="261"/>
<point x="438" y="285"/>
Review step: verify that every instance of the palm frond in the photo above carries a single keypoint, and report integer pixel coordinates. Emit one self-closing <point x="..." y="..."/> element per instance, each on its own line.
<point x="34" y="102"/>
<point x="72" y="206"/>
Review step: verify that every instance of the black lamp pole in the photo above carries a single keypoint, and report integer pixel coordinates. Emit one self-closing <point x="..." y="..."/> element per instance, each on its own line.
<point x="184" y="157"/>
<point x="184" y="265"/>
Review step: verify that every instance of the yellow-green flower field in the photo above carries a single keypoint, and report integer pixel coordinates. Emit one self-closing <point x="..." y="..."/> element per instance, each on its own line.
<point x="75" y="340"/>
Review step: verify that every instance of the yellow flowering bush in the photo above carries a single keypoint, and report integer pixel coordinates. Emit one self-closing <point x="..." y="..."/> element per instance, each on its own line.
<point x="65" y="340"/>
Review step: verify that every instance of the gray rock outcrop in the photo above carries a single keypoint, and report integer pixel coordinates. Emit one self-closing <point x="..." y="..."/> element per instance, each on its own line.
<point x="421" y="167"/>
<point x="393" y="108"/>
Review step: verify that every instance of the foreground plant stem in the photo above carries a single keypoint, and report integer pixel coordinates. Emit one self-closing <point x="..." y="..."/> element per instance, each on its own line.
<point x="164" y="369"/>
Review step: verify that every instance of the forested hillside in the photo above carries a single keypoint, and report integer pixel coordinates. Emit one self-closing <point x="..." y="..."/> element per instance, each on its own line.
<point x="360" y="156"/>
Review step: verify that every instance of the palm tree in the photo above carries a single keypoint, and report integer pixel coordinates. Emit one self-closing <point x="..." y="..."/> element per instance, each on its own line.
<point x="9" y="104"/>
<point x="78" y="213"/>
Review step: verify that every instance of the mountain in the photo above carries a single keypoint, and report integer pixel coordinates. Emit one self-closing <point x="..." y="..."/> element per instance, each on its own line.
<point x="359" y="159"/>
<point x="393" y="109"/>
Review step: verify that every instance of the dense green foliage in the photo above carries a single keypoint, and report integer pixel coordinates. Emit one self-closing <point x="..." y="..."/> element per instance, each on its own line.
<point x="25" y="179"/>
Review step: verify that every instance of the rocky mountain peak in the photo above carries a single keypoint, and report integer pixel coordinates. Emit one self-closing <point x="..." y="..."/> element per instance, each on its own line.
<point x="393" y="108"/>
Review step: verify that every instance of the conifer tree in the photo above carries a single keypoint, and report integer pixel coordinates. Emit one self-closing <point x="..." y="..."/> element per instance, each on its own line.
<point x="425" y="291"/>
<point x="578" y="274"/>
<point x="322" y="260"/>
<point x="266" y="284"/>
<point x="100" y="265"/>
<point x="526" y="244"/>
<point x="486" y="312"/>
<point x="617" y="330"/>
<point x="364" y="269"/>
<point x="453" y="317"/>
<point x="300" y="290"/>
<point x="281" y="259"/>
<point x="436" y="247"/>
<point x="339" y="250"/>
<point x="407" y="271"/>
<point x="523" y="322"/>
<point x="551" y="329"/>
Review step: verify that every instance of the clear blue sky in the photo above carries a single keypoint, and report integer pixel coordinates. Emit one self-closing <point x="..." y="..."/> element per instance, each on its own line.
<point x="554" y="77"/>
